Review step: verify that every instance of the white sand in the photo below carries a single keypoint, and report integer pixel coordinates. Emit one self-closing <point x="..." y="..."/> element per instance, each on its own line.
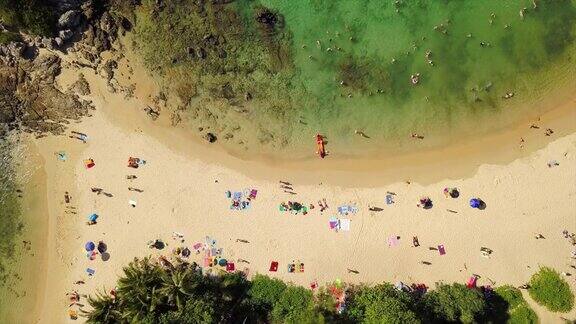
<point x="181" y="194"/>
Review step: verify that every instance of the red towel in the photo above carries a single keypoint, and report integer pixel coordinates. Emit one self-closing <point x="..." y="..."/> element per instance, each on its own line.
<point x="230" y="267"/>
<point x="273" y="266"/>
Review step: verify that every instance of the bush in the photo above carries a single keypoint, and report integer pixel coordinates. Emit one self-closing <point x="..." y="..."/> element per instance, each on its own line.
<point x="381" y="303"/>
<point x="455" y="303"/>
<point x="548" y="289"/>
<point x="32" y="16"/>
<point x="295" y="305"/>
<point x="509" y="306"/>
<point x="8" y="37"/>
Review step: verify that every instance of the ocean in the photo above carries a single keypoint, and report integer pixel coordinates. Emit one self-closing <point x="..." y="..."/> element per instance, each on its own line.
<point x="477" y="66"/>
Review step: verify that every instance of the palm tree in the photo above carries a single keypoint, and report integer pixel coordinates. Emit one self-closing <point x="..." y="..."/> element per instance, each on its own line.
<point x="104" y="310"/>
<point x="138" y="289"/>
<point x="177" y="286"/>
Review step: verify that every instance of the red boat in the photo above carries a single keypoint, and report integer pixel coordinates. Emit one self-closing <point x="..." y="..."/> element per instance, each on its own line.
<point x="320" y="144"/>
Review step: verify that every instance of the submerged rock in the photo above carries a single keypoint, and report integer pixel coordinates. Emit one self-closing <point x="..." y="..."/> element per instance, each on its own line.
<point x="210" y="137"/>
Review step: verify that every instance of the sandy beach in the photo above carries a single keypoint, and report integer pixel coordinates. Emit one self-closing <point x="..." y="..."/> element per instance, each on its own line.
<point x="184" y="185"/>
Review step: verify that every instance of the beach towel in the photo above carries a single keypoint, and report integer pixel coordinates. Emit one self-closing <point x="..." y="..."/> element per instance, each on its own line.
<point x="393" y="241"/>
<point x="344" y="225"/>
<point x="343" y="210"/>
<point x="237" y="196"/>
<point x="132" y="203"/>
<point x="197" y="246"/>
<point x="90" y="271"/>
<point x="228" y="194"/>
<point x="207" y="261"/>
<point x="253" y="193"/>
<point x="230" y="267"/>
<point x="333" y="223"/>
<point x="441" y="249"/>
<point x="93" y="217"/>
<point x="273" y="266"/>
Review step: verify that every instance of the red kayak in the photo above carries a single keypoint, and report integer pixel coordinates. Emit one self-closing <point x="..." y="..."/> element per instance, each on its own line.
<point x="320" y="144"/>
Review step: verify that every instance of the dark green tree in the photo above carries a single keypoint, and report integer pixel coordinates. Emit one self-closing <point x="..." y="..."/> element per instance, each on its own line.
<point x="138" y="289"/>
<point x="105" y="309"/>
<point x="455" y="302"/>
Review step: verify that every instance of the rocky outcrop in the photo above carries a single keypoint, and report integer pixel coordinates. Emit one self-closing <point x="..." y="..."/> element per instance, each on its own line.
<point x="70" y="19"/>
<point x="81" y="86"/>
<point x="29" y="99"/>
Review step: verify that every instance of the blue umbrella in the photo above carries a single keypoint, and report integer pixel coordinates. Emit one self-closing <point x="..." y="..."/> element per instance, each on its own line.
<point x="93" y="217"/>
<point x="475" y="203"/>
<point x="90" y="246"/>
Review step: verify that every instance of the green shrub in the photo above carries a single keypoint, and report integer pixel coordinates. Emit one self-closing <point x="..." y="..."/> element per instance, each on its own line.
<point x="32" y="16"/>
<point x="8" y="37"/>
<point x="547" y="288"/>
<point x="514" y="308"/>
<point x="455" y="302"/>
<point x="295" y="305"/>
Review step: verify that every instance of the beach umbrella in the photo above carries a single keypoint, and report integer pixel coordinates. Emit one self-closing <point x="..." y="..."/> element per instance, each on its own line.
<point x="102" y="247"/>
<point x="475" y="203"/>
<point x="222" y="262"/>
<point x="90" y="246"/>
<point x="93" y="217"/>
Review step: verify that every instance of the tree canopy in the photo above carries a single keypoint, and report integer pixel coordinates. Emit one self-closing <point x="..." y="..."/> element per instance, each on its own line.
<point x="159" y="292"/>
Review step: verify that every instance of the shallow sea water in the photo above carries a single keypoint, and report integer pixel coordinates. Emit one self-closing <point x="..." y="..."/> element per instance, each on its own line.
<point x="353" y="60"/>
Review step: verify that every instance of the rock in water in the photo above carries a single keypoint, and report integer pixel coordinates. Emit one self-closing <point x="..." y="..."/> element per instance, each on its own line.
<point x="70" y="19"/>
<point x="210" y="137"/>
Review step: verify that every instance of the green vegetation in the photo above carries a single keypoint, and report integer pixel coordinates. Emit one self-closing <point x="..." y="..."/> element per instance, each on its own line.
<point x="178" y="293"/>
<point x="511" y="307"/>
<point x="32" y="16"/>
<point x="7" y="37"/>
<point x="550" y="290"/>
<point x="9" y="211"/>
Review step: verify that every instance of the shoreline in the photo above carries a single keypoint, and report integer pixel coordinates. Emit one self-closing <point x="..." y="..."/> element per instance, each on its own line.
<point x="30" y="258"/>
<point x="464" y="155"/>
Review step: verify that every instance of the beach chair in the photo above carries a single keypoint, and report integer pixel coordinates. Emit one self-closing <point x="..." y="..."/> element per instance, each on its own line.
<point x="441" y="249"/>
<point x="253" y="194"/>
<point x="273" y="266"/>
<point x="291" y="268"/>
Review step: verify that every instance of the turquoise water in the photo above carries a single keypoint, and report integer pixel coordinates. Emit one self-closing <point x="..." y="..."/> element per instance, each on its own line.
<point x="480" y="50"/>
<point x="336" y="66"/>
